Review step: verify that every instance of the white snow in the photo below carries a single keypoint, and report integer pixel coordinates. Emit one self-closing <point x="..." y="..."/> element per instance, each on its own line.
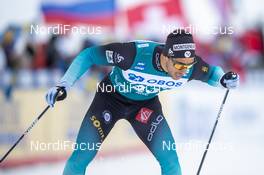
<point x="242" y="159"/>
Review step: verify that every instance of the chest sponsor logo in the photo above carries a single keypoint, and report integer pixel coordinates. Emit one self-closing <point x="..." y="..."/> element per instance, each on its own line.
<point x="152" y="80"/>
<point x="143" y="45"/>
<point x="140" y="66"/>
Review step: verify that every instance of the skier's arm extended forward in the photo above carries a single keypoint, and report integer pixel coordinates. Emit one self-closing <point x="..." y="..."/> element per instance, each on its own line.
<point x="213" y="75"/>
<point x="114" y="54"/>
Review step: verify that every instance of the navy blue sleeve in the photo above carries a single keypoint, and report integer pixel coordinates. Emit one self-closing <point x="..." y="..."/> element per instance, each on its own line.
<point x="206" y="73"/>
<point x="119" y="54"/>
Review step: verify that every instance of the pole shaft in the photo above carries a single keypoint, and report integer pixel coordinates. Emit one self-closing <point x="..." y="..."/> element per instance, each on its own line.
<point x="213" y="131"/>
<point x="23" y="135"/>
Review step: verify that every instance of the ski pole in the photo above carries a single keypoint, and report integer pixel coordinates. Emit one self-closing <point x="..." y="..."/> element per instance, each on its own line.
<point x="211" y="136"/>
<point x="23" y="135"/>
<point x="60" y="95"/>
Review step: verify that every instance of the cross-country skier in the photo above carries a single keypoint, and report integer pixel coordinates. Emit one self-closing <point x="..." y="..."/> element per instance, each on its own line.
<point x="141" y="69"/>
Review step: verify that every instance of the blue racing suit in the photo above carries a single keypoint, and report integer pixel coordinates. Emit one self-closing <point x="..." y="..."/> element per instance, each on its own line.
<point x="136" y="77"/>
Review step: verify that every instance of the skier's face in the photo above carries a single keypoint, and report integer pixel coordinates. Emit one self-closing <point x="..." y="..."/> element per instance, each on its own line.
<point x="177" y="67"/>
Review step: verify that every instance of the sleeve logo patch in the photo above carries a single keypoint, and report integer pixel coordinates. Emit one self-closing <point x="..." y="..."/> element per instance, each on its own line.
<point x="205" y="69"/>
<point x="109" y="56"/>
<point x="118" y="58"/>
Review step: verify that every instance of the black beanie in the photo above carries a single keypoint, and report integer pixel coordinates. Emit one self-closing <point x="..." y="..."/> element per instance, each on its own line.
<point x="179" y="44"/>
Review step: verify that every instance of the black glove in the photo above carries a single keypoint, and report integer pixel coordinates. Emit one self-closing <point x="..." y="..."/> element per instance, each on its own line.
<point x="57" y="93"/>
<point x="230" y="80"/>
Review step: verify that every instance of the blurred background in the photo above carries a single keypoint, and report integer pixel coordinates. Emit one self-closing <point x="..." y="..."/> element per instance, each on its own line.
<point x="40" y="38"/>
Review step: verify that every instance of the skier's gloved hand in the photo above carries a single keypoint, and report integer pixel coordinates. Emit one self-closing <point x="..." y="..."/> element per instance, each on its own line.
<point x="56" y="93"/>
<point x="230" y="80"/>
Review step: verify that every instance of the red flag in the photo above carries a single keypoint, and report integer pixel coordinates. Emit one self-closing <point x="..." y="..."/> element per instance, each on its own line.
<point x="172" y="8"/>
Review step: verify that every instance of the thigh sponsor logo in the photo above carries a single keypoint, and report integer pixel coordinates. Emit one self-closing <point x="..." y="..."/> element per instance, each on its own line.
<point x="107" y="116"/>
<point x="154" y="126"/>
<point x="144" y="115"/>
<point x="97" y="125"/>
